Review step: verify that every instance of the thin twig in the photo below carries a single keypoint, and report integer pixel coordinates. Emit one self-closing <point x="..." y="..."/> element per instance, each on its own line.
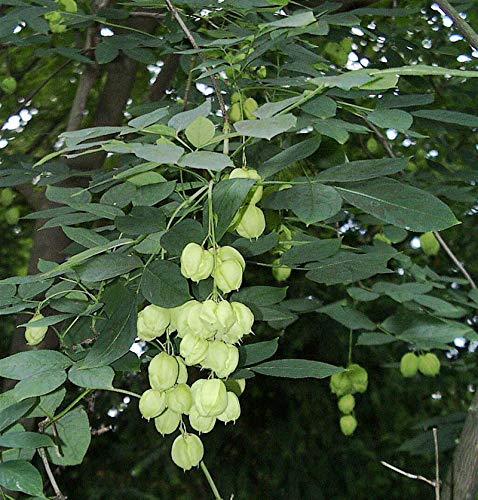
<point x="189" y="82"/>
<point x="453" y="257"/>
<point x="41" y="451"/>
<point x="217" y="495"/>
<point x="193" y="42"/>
<point x="408" y="474"/>
<point x="35" y="91"/>
<point x="437" y="464"/>
<point x="58" y="494"/>
<point x="437" y="235"/>
<point x="154" y="15"/>
<point x="381" y="138"/>
<point x="466" y="30"/>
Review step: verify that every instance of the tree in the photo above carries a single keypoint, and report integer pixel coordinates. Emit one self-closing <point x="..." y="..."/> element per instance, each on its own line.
<point x="199" y="171"/>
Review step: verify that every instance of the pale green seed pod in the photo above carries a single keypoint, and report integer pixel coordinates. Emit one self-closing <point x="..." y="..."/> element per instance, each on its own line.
<point x="35" y="334"/>
<point x="181" y="315"/>
<point x="346" y="403"/>
<point x="340" y="384"/>
<point x="229" y="253"/>
<point x="358" y="377"/>
<point x="167" y="422"/>
<point x="249" y="173"/>
<point x="152" y="403"/>
<point x="228" y="275"/>
<point x="196" y="263"/>
<point x="261" y="72"/>
<point x="244" y="317"/>
<point x="225" y="316"/>
<point x="209" y="397"/>
<point x="179" y="398"/>
<point x="6" y="197"/>
<point x="187" y="451"/>
<point x="249" y="106"/>
<point x="252" y="223"/>
<point x="195" y="323"/>
<point x="200" y="423"/>
<point x="232" y="411"/>
<point x="163" y="371"/>
<point x="235" y="112"/>
<point x="208" y="316"/>
<point x="183" y="371"/>
<point x="221" y="358"/>
<point x="409" y="364"/>
<point x="193" y="349"/>
<point x="348" y="424"/>
<point x="429" y="364"/>
<point x="280" y="272"/>
<point x="235" y="385"/>
<point x="152" y="322"/>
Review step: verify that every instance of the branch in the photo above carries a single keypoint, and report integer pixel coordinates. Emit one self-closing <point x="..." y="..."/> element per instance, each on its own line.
<point x="35" y="91"/>
<point x="466" y="30"/>
<point x="453" y="257"/>
<point x="46" y="464"/>
<point x="408" y="474"/>
<point x="437" y="464"/>
<point x="191" y="38"/>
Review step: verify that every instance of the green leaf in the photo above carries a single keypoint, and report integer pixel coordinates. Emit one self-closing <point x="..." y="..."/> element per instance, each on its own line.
<point x="347" y="267"/>
<point x="362" y="170"/>
<point x="73" y="431"/>
<point x="428" y="333"/>
<point x="375" y="338"/>
<point x="117" y="331"/>
<point x="206" y="160"/>
<point x="39" y="384"/>
<point x="67" y="195"/>
<point x="158" y="153"/>
<point x="294" y="21"/>
<point x="424" y="70"/>
<point x="444" y="116"/>
<point x="200" y="131"/>
<point x="48" y="404"/>
<point x="182" y="120"/>
<point x="332" y="128"/>
<point x="104" y="267"/>
<point x="260" y="295"/>
<point x="20" y="475"/>
<point x="92" y="378"/>
<point x="403" y="292"/>
<point x="227" y="197"/>
<point x="141" y="220"/>
<point x="120" y="195"/>
<point x="28" y="363"/>
<point x="311" y="252"/>
<point x="150" y="195"/>
<point x="14" y="412"/>
<point x="399" y="204"/>
<point x="148" y="119"/>
<point x="251" y="354"/>
<point x="251" y="248"/>
<point x="84" y="237"/>
<point x="164" y="285"/>
<point x="313" y="202"/>
<point x="296" y="368"/>
<point x="25" y="440"/>
<point x="391" y="118"/>
<point x="362" y="295"/>
<point x="348" y="316"/>
<point x="182" y="233"/>
<point x="294" y="153"/>
<point x="266" y="128"/>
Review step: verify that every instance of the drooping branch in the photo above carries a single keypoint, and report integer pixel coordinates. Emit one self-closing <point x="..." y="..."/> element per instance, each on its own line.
<point x="193" y="42"/>
<point x="463" y="27"/>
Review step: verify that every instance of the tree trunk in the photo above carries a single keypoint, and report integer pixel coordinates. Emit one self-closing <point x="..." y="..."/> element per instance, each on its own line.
<point x="462" y="478"/>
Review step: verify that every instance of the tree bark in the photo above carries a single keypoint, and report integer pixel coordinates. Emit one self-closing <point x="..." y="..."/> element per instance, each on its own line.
<point x="462" y="478"/>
